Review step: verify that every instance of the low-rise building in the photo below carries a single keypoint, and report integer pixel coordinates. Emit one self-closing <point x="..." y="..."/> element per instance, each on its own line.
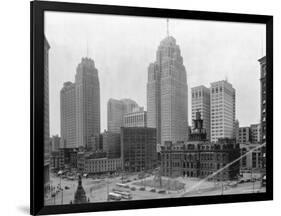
<point x="199" y="157"/>
<point x="102" y="165"/>
<point x="64" y="158"/>
<point x="244" y="135"/>
<point x="56" y="161"/>
<point x="252" y="161"/>
<point x="255" y="133"/>
<point x="83" y="156"/>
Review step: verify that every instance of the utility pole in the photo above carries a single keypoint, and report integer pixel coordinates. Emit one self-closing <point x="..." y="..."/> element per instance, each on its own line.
<point x="61" y="196"/>
<point x="61" y="190"/>
<point x="252" y="179"/>
<point x="107" y="187"/>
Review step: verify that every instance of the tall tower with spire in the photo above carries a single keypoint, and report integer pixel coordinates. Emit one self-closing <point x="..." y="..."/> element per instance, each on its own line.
<point x="167" y="93"/>
<point x="87" y="104"/>
<point x="167" y="27"/>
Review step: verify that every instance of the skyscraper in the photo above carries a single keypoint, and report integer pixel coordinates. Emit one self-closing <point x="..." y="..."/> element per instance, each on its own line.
<point x="87" y="104"/>
<point x="222" y="110"/>
<point x="68" y="115"/>
<point x="55" y="142"/>
<point x="262" y="62"/>
<point x="263" y="97"/>
<point x="201" y="102"/>
<point x="167" y="93"/>
<point x="114" y="115"/>
<point x="46" y="118"/>
<point x="116" y="109"/>
<point x="236" y="130"/>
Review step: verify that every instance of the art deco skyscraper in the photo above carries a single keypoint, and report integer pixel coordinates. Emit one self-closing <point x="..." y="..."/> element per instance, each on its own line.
<point x="222" y="110"/>
<point x="167" y="93"/>
<point x="87" y="104"/>
<point x="46" y="118"/>
<point x="68" y="115"/>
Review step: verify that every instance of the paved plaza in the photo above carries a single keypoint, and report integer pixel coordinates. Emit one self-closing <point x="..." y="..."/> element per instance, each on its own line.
<point x="97" y="189"/>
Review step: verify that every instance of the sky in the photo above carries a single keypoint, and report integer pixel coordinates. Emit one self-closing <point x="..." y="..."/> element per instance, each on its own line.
<point x="122" y="47"/>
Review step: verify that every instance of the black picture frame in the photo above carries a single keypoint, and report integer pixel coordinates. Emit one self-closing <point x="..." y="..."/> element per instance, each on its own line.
<point x="37" y="9"/>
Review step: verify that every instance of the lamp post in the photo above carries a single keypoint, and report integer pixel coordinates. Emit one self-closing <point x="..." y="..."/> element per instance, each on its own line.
<point x="61" y="190"/>
<point x="107" y="188"/>
<point x="252" y="178"/>
<point x="61" y="195"/>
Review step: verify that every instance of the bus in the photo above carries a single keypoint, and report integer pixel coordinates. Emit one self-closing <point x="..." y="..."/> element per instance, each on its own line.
<point x="114" y="196"/>
<point x="124" y="194"/>
<point x="122" y="185"/>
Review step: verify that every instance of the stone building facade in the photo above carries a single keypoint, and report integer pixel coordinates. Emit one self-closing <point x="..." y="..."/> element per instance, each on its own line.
<point x="102" y="165"/>
<point x="200" y="158"/>
<point x="244" y="135"/>
<point x="222" y="110"/>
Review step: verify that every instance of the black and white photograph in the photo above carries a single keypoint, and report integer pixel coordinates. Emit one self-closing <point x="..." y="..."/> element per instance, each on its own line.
<point x="142" y="108"/>
<point x="117" y="107"/>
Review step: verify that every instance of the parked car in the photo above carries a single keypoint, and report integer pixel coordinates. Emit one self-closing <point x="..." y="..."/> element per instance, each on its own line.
<point x="153" y="190"/>
<point x="241" y="181"/>
<point x="133" y="188"/>
<point x="233" y="184"/>
<point x="142" y="188"/>
<point x="162" y="191"/>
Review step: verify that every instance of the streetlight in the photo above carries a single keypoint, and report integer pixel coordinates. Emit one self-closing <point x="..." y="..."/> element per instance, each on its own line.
<point x="107" y="187"/>
<point x="61" y="195"/>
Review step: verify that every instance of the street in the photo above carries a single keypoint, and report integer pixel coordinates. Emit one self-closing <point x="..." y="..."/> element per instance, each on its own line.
<point x="97" y="190"/>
